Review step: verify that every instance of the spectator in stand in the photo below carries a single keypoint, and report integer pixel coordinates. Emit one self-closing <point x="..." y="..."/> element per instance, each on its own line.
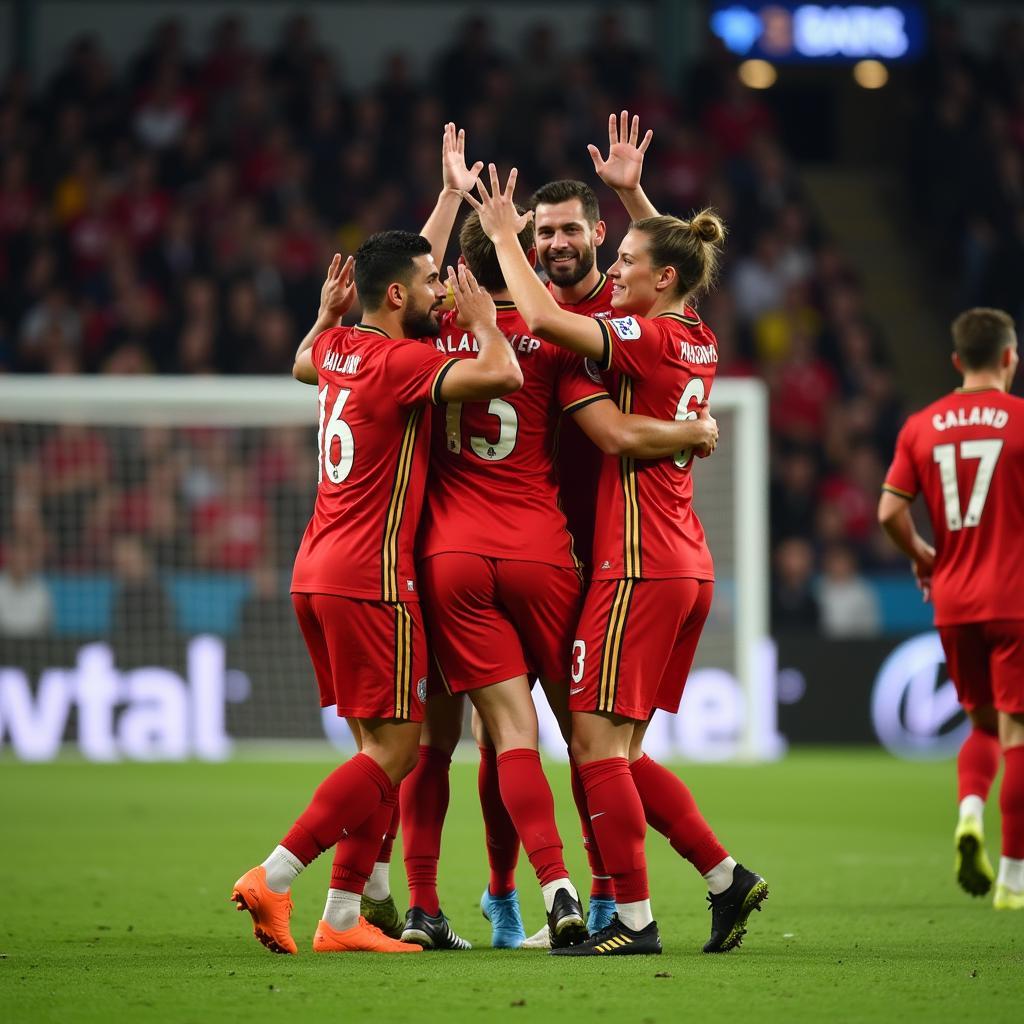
<point x="26" y="607"/>
<point x="231" y="531"/>
<point x="142" y="616"/>
<point x="849" y="605"/>
<point x="794" y="605"/>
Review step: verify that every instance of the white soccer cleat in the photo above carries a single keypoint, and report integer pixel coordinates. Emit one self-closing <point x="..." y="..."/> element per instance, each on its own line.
<point x="541" y="940"/>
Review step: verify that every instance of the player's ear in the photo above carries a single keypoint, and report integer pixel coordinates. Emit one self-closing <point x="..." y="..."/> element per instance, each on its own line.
<point x="666" y="279"/>
<point x="396" y="295"/>
<point x="531" y="255"/>
<point x="956" y="364"/>
<point x="600" y="230"/>
<point x="1007" y="357"/>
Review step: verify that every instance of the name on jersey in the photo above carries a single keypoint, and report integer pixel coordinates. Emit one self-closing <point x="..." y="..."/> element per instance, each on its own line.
<point x="337" y="362"/>
<point x="701" y="355"/>
<point x="977" y="416"/>
<point x="467" y="343"/>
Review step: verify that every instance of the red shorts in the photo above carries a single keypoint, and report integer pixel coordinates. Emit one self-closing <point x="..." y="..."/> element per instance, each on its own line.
<point x="635" y="645"/>
<point x="494" y="618"/>
<point x="370" y="657"/>
<point x="986" y="663"/>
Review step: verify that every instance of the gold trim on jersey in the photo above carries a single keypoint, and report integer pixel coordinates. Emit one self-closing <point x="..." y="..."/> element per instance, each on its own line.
<point x="373" y="330"/>
<point x="396" y="507"/>
<point x="403" y="661"/>
<point x="899" y="493"/>
<point x="606" y="355"/>
<point x="690" y="321"/>
<point x="505" y="304"/>
<point x="435" y="387"/>
<point x="593" y="291"/>
<point x="630" y="494"/>
<point x="611" y="654"/>
<point x="582" y="403"/>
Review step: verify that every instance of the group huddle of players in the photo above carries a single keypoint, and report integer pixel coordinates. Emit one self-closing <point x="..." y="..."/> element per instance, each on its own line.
<point x="466" y="457"/>
<point x="441" y="514"/>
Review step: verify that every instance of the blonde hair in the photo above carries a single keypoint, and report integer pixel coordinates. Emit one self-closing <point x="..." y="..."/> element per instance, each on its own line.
<point x="693" y="247"/>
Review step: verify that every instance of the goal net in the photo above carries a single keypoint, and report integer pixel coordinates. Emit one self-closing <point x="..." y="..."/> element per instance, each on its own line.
<point x="147" y="531"/>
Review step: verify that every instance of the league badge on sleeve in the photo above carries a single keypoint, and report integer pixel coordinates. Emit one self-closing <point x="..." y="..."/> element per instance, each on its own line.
<point x="626" y="327"/>
<point x="592" y="371"/>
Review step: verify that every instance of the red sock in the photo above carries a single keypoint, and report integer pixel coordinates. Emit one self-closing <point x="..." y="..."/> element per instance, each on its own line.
<point x="355" y="853"/>
<point x="670" y="808"/>
<point x="1011" y="803"/>
<point x="601" y="881"/>
<point x="617" y="816"/>
<point x="977" y="764"/>
<point x="424" y="803"/>
<point x="527" y="795"/>
<point x="388" y="842"/>
<point x="341" y="803"/>
<point x="501" y="834"/>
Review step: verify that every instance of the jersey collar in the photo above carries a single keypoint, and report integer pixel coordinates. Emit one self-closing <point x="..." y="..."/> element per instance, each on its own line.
<point x="372" y="330"/>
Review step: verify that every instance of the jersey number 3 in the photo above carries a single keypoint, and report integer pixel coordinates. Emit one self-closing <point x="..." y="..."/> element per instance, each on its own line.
<point x="987" y="453"/>
<point x="334" y="429"/>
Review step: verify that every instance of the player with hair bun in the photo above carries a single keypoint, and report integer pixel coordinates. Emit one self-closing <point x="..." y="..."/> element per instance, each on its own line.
<point x="652" y="571"/>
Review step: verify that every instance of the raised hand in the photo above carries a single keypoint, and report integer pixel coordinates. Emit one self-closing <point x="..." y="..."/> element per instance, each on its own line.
<point x="621" y="170"/>
<point x="339" y="288"/>
<point x="498" y="213"/>
<point x="476" y="307"/>
<point x="456" y="175"/>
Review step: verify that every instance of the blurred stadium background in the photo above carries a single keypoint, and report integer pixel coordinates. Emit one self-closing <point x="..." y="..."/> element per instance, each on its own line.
<point x="175" y="176"/>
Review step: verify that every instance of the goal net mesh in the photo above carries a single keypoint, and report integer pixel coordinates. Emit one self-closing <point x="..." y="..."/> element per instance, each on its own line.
<point x="141" y="513"/>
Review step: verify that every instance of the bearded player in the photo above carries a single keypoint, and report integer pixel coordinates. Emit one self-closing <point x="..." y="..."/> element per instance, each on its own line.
<point x="653" y="577"/>
<point x="502" y="592"/>
<point x="965" y="455"/>
<point x="354" y="585"/>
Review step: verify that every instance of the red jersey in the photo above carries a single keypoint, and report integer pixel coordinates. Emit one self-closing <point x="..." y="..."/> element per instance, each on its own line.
<point x="579" y="459"/>
<point x="646" y="525"/>
<point x="372" y="455"/>
<point x="965" y="455"/>
<point x="493" y="487"/>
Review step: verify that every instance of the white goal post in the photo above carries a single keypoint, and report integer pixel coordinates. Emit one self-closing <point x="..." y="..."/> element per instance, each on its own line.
<point x="169" y="421"/>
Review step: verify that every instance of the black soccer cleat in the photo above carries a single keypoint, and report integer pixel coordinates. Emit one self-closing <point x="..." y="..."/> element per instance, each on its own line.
<point x="431" y="932"/>
<point x="617" y="940"/>
<point x="730" y="909"/>
<point x="566" y="924"/>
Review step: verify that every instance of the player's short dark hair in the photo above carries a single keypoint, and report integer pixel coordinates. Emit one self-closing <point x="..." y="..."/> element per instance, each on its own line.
<point x="564" y="190"/>
<point x="384" y="258"/>
<point x="480" y="255"/>
<point x="980" y="335"/>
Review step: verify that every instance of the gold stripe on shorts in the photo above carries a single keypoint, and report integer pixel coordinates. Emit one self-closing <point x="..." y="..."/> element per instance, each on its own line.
<point x="403" y="661"/>
<point x="611" y="655"/>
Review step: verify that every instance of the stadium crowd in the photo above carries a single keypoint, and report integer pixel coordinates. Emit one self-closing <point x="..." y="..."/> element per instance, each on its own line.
<point x="176" y="216"/>
<point x="966" y="163"/>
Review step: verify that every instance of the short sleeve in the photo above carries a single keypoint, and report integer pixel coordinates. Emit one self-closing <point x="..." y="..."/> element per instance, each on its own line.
<point x="415" y="372"/>
<point x="632" y="345"/>
<point x="578" y="382"/>
<point x="902" y="478"/>
<point x="322" y="342"/>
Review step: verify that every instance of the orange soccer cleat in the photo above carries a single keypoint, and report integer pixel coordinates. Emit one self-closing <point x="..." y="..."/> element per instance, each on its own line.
<point x="361" y="938"/>
<point x="271" y="911"/>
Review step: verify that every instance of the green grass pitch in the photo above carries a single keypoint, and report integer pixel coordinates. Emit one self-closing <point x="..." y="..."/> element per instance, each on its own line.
<point x="116" y="881"/>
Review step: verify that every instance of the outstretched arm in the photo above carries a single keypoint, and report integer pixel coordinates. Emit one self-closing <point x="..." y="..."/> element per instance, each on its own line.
<point x="336" y="297"/>
<point x="621" y="170"/>
<point x="641" y="437"/>
<point x="545" y="318"/>
<point x="895" y="519"/>
<point x="456" y="178"/>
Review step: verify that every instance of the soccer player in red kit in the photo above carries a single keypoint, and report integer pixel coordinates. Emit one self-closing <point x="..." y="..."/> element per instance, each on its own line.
<point x="653" y="576"/>
<point x="964" y="454"/>
<point x="503" y="593"/>
<point x="354" y="584"/>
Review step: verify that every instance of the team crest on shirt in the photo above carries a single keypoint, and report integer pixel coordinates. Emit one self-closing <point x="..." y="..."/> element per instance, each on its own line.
<point x="626" y="328"/>
<point x="421" y="690"/>
<point x="592" y="371"/>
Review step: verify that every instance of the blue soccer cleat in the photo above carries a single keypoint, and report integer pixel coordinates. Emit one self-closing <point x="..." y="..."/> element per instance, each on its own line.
<point x="600" y="914"/>
<point x="507" y="931"/>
